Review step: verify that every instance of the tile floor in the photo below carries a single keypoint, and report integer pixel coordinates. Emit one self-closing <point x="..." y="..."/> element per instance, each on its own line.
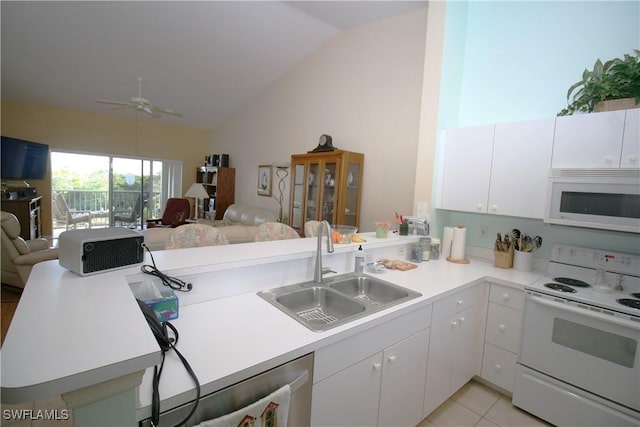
<point x="478" y="405"/>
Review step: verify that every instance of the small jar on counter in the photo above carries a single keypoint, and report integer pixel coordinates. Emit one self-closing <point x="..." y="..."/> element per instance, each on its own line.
<point x="425" y="243"/>
<point x="435" y="248"/>
<point x="416" y="252"/>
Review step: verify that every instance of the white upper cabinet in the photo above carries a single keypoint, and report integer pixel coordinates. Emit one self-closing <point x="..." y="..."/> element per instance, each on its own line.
<point x="521" y="161"/>
<point x="467" y="168"/>
<point x="499" y="169"/>
<point x="631" y="140"/>
<point x="589" y="140"/>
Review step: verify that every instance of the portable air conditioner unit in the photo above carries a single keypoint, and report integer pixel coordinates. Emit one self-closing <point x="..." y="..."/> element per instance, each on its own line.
<point x="89" y="251"/>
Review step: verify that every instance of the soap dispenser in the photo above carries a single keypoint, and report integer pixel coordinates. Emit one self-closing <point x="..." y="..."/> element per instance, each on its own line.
<point x="359" y="264"/>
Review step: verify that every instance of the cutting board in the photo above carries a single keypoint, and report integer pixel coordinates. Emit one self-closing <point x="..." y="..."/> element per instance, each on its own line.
<point x="395" y="264"/>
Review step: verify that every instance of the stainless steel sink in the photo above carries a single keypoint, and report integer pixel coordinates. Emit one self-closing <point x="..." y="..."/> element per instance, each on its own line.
<point x="338" y="300"/>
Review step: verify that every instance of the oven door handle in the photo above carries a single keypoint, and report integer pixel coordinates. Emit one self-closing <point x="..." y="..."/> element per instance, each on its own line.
<point x="583" y="312"/>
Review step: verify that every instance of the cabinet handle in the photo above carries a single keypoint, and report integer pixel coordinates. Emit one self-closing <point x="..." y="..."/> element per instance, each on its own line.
<point x="479" y="206"/>
<point x="608" y="159"/>
<point x="392" y="359"/>
<point x="505" y="297"/>
<point x="454" y="323"/>
<point x="376" y="366"/>
<point x="633" y="158"/>
<point x="460" y="302"/>
<point x="498" y="368"/>
<point x="494" y="208"/>
<point x="462" y="319"/>
<point x="502" y="328"/>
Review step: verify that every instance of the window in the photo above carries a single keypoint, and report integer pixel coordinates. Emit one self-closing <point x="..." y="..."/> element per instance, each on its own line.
<point x="111" y="191"/>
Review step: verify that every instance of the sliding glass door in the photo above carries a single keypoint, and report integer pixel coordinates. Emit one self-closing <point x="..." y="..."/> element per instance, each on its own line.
<point x="110" y="191"/>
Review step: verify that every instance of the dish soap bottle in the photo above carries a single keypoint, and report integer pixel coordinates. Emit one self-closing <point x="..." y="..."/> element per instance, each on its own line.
<point x="359" y="264"/>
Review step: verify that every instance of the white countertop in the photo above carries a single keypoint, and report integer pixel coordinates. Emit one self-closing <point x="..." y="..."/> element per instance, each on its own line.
<point x="70" y="331"/>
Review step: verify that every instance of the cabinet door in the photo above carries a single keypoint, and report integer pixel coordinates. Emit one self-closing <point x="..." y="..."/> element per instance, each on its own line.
<point x="467" y="356"/>
<point x="631" y="140"/>
<point x="403" y="378"/>
<point x="298" y="196"/>
<point x="313" y="186"/>
<point x="350" y="397"/>
<point x="499" y="366"/>
<point x="467" y="168"/>
<point x="519" y="171"/>
<point x="329" y="196"/>
<point x="352" y="195"/>
<point x="588" y="140"/>
<point x="440" y="364"/>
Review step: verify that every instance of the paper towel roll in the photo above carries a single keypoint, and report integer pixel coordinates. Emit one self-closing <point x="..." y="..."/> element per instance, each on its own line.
<point x="458" y="242"/>
<point x="447" y="237"/>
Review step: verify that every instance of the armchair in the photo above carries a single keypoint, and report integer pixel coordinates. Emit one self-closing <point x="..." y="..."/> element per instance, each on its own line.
<point x="176" y="212"/>
<point x="19" y="255"/>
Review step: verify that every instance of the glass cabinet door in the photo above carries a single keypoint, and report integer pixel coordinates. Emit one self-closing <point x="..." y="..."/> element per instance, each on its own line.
<point x="298" y="195"/>
<point x="329" y="192"/>
<point x="313" y="192"/>
<point x="353" y="189"/>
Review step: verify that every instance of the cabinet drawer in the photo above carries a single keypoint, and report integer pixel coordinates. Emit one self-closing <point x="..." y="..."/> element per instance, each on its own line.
<point x="455" y="303"/>
<point x="498" y="366"/>
<point x="507" y="296"/>
<point x="504" y="326"/>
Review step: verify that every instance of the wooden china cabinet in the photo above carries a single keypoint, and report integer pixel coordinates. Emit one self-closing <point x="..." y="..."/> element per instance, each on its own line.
<point x="326" y="186"/>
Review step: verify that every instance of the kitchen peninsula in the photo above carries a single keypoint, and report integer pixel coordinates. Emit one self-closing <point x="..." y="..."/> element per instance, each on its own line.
<point x="85" y="337"/>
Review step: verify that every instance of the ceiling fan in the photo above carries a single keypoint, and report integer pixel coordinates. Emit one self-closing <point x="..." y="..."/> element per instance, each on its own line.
<point x="141" y="104"/>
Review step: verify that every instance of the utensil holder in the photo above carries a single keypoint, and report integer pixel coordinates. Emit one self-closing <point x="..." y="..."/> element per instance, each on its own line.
<point x="523" y="261"/>
<point x="504" y="259"/>
<point x="381" y="232"/>
<point x="404" y="229"/>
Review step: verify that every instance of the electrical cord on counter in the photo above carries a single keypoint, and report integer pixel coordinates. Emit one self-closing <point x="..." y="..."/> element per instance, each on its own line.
<point x="171" y="282"/>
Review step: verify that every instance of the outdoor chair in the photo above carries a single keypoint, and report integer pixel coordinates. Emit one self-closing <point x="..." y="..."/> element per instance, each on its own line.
<point x="69" y="217"/>
<point x="131" y="217"/>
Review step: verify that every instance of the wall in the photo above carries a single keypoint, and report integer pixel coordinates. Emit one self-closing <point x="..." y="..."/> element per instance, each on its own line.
<point x="518" y="59"/>
<point x="70" y="130"/>
<point x="363" y="87"/>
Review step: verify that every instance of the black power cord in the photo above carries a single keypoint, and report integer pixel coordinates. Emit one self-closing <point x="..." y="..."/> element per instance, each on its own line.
<point x="171" y="282"/>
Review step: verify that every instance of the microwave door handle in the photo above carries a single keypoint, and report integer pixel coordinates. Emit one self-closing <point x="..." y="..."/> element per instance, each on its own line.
<point x="588" y="313"/>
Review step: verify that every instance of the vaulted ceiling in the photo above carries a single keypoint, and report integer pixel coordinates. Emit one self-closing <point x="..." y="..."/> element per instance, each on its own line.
<point x="204" y="59"/>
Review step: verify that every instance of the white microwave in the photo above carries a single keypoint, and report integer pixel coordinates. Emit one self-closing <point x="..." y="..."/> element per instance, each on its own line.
<point x="607" y="199"/>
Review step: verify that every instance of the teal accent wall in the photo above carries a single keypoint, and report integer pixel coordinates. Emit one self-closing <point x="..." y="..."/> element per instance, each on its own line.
<point x="507" y="61"/>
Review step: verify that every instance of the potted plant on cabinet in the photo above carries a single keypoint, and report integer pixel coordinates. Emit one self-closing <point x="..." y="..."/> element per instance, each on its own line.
<point x="615" y="81"/>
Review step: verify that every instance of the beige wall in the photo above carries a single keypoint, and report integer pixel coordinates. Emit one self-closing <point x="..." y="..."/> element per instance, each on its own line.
<point x="70" y="130"/>
<point x="363" y="87"/>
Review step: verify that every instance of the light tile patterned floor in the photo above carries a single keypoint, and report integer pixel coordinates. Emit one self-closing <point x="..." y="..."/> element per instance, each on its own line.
<point x="476" y="405"/>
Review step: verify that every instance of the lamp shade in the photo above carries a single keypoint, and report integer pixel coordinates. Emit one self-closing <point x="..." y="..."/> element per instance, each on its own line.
<point x="197" y="191"/>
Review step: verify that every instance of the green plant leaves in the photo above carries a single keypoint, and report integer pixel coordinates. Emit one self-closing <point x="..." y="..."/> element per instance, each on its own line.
<point x="613" y="79"/>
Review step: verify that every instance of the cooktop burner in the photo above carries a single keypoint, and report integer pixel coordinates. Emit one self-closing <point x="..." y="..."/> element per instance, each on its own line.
<point x="636" y="295"/>
<point x="559" y="287"/>
<point x="571" y="282"/>
<point x="630" y="302"/>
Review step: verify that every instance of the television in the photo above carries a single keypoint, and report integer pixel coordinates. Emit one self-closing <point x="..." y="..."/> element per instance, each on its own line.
<point x="23" y="160"/>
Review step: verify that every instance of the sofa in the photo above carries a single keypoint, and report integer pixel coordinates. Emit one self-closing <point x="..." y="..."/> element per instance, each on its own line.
<point x="238" y="224"/>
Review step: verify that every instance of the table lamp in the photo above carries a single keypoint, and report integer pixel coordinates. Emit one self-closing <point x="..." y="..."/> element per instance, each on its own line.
<point x="197" y="191"/>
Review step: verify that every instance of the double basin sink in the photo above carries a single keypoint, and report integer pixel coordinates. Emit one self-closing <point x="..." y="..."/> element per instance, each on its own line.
<point x="337" y="300"/>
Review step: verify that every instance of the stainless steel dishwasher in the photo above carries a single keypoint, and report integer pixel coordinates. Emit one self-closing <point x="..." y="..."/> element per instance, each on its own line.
<point x="298" y="373"/>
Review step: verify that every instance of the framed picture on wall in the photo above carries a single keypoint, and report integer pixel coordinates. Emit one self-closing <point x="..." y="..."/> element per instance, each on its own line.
<point x="264" y="180"/>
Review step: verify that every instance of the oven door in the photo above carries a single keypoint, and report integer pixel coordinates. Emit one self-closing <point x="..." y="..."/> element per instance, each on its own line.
<point x="603" y="203"/>
<point x="589" y="349"/>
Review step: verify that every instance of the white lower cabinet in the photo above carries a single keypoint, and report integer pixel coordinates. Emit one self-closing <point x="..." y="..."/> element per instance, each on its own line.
<point x="382" y="389"/>
<point x="455" y="347"/>
<point x="502" y="335"/>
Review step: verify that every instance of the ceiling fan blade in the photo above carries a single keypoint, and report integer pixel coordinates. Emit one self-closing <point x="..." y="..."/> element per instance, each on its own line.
<point x="166" y="111"/>
<point x="147" y="109"/>
<point x="107" y="101"/>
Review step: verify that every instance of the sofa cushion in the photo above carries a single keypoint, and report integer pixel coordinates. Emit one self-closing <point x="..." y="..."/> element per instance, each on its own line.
<point x="237" y="214"/>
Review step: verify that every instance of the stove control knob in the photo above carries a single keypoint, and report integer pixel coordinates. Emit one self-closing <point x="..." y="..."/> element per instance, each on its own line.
<point x="505" y="297"/>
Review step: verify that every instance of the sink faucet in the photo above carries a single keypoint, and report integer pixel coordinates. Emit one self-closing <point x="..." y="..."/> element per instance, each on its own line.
<point x="319" y="271"/>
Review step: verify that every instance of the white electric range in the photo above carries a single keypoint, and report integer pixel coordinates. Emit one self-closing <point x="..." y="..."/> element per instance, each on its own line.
<point x="579" y="361"/>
